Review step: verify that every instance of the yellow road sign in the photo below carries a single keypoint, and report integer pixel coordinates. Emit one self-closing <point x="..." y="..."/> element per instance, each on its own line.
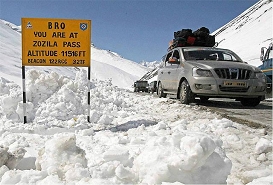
<point x="56" y="42"/>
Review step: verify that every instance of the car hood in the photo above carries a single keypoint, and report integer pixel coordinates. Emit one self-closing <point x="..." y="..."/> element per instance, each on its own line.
<point x="212" y="64"/>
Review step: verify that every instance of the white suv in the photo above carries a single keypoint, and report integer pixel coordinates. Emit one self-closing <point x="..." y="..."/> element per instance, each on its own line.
<point x="207" y="72"/>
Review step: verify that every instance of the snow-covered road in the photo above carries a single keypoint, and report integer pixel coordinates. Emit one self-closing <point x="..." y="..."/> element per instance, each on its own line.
<point x="257" y="117"/>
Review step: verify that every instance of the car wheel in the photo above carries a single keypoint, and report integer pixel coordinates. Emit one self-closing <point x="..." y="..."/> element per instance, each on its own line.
<point x="250" y="102"/>
<point x="160" y="92"/>
<point x="185" y="94"/>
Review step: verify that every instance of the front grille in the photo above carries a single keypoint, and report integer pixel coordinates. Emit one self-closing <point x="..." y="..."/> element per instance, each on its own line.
<point x="233" y="73"/>
<point x="233" y="89"/>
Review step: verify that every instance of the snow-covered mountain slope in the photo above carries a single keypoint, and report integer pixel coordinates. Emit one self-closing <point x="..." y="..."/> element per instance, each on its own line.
<point x="113" y="59"/>
<point x="12" y="26"/>
<point x="151" y="65"/>
<point x="10" y="53"/>
<point x="248" y="32"/>
<point x="128" y="134"/>
<point x="105" y="65"/>
<point x="117" y="76"/>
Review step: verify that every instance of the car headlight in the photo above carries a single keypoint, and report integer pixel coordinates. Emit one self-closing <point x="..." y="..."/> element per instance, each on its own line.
<point x="259" y="75"/>
<point x="201" y="72"/>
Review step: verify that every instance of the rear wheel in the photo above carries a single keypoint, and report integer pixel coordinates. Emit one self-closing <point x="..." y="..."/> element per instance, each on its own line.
<point x="186" y="96"/>
<point x="250" y="102"/>
<point x="160" y="92"/>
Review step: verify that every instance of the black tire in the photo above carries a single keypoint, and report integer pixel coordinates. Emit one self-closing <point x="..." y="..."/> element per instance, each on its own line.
<point x="250" y="102"/>
<point x="185" y="94"/>
<point x="160" y="92"/>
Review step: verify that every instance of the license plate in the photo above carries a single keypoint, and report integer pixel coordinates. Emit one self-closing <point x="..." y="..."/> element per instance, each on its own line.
<point x="234" y="84"/>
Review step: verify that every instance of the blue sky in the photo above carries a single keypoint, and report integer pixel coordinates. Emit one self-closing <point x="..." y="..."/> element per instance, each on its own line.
<point x="136" y="29"/>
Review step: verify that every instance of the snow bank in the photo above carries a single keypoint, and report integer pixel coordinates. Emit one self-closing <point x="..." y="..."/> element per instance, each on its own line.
<point x="263" y="146"/>
<point x="10" y="96"/>
<point x="183" y="157"/>
<point x="118" y="146"/>
<point x="56" y="97"/>
<point x="60" y="156"/>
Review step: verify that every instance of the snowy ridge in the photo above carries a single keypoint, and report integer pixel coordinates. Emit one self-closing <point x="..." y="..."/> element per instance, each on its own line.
<point x="248" y="32"/>
<point x="245" y="17"/>
<point x="12" y="26"/>
<point x="113" y="59"/>
<point x="150" y="65"/>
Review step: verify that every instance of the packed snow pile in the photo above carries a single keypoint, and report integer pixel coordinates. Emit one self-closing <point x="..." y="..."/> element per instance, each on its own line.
<point x="183" y="157"/>
<point x="131" y="139"/>
<point x="62" y="157"/>
<point x="57" y="101"/>
<point x="10" y="160"/>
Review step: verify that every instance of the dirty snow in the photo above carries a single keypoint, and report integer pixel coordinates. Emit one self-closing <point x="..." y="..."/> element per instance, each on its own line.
<point x="131" y="138"/>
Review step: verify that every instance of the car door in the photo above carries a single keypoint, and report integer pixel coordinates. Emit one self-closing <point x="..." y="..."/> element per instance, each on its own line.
<point x="174" y="71"/>
<point x="164" y="72"/>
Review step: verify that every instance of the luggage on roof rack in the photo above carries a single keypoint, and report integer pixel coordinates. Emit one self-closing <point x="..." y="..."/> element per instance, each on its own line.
<point x="184" y="33"/>
<point x="186" y="37"/>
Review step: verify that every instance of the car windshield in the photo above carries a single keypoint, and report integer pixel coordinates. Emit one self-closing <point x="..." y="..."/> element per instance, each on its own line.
<point x="210" y="54"/>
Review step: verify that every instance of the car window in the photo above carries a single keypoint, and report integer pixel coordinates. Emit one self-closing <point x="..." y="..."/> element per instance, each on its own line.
<point x="210" y="54"/>
<point x="176" y="54"/>
<point x="175" y="58"/>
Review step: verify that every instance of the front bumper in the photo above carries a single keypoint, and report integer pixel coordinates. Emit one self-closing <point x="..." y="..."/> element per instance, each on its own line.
<point x="229" y="88"/>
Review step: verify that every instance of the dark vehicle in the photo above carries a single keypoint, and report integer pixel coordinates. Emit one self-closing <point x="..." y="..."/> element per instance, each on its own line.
<point x="266" y="67"/>
<point x="141" y="86"/>
<point x="152" y="87"/>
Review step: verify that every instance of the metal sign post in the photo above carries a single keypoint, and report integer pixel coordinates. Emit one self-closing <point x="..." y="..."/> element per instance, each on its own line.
<point x="55" y="42"/>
